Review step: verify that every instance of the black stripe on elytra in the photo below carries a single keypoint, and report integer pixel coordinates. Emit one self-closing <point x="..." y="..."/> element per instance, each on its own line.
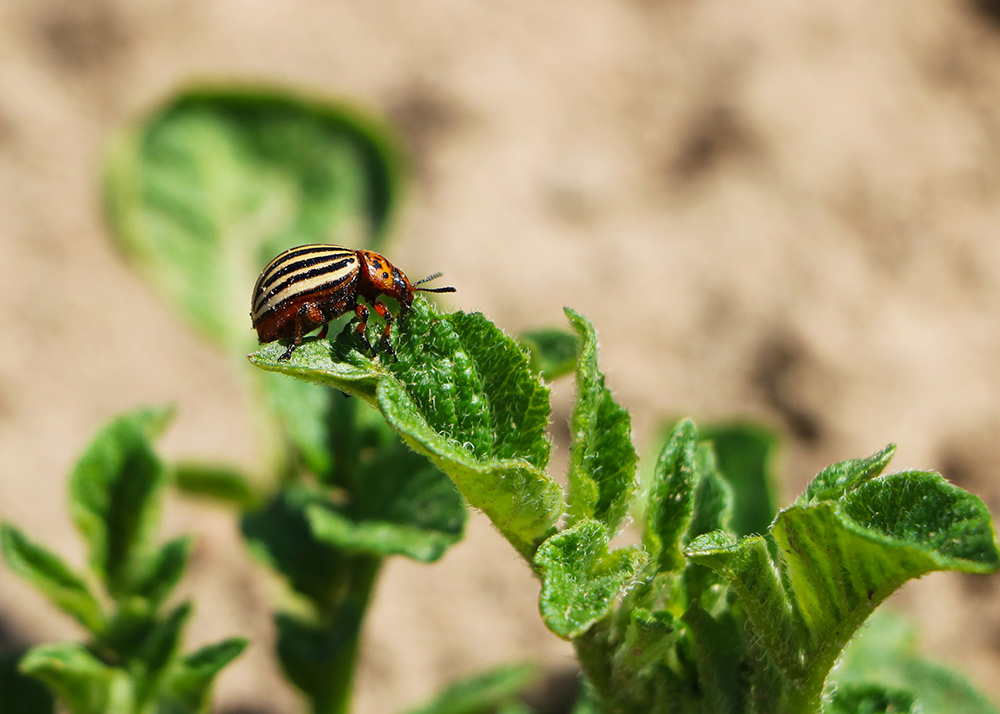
<point x="294" y="262"/>
<point x="330" y="286"/>
<point x="291" y="255"/>
<point x="305" y="250"/>
<point x="304" y="272"/>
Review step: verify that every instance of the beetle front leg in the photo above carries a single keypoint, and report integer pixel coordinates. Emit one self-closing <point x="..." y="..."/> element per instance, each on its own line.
<point x="361" y="311"/>
<point x="384" y="313"/>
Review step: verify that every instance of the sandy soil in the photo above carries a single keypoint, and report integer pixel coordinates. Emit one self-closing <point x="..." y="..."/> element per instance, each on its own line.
<point x="786" y="210"/>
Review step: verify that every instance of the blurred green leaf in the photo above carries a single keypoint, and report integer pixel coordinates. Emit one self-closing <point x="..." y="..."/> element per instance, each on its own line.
<point x="222" y="483"/>
<point x="873" y="699"/>
<point x="47" y="571"/>
<point x="319" y="658"/>
<point x="481" y="693"/>
<point x="188" y="685"/>
<point x="403" y="505"/>
<point x="310" y="420"/>
<point x="85" y="684"/>
<point x="208" y="188"/>
<point x="713" y="497"/>
<point x="551" y="351"/>
<point x="114" y="496"/>
<point x="744" y="453"/>
<point x="158" y="650"/>
<point x="392" y="500"/>
<point x="602" y="459"/>
<point x="165" y="568"/>
<point x="462" y="394"/>
<point x="280" y="534"/>
<point x="884" y="655"/>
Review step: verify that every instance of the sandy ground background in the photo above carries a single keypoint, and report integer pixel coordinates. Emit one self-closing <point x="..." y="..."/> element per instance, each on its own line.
<point x="780" y="210"/>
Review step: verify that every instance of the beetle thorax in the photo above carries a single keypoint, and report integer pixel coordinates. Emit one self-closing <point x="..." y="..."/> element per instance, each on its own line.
<point x="382" y="277"/>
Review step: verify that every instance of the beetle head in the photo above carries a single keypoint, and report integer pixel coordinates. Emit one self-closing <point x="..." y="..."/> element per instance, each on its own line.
<point x="389" y="280"/>
<point x="401" y="288"/>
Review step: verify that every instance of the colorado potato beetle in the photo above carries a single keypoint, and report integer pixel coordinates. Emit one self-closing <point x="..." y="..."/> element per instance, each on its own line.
<point x="307" y="287"/>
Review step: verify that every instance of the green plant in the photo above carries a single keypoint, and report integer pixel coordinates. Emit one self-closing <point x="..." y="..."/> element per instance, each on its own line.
<point x="131" y="662"/>
<point x="201" y="194"/>
<point x="697" y="615"/>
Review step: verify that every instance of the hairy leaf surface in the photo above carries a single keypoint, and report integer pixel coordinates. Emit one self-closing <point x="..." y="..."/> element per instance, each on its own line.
<point x="463" y="395"/>
<point x="602" y="459"/>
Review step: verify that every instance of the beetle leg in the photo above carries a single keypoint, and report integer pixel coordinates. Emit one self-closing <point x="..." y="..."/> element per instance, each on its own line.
<point x="296" y="341"/>
<point x="323" y="331"/>
<point x="312" y="313"/>
<point x="384" y="313"/>
<point x="361" y="311"/>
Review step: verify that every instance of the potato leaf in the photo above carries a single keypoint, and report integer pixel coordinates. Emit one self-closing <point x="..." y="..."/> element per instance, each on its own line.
<point x="463" y="395"/>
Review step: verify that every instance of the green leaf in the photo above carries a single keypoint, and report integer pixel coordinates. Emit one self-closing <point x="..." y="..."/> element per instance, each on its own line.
<point x="221" y="483"/>
<point x="671" y="498"/>
<point x="203" y="192"/>
<point x="924" y="511"/>
<point x="551" y="351"/>
<point x="164" y="570"/>
<point x="873" y="699"/>
<point x="408" y="508"/>
<point x="650" y="638"/>
<point x="884" y="654"/>
<point x="744" y="453"/>
<point x="462" y="394"/>
<point x="47" y="571"/>
<point x="481" y="693"/>
<point x="840" y="559"/>
<point x="834" y="481"/>
<point x="127" y="634"/>
<point x="84" y="683"/>
<point x="114" y="496"/>
<point x="310" y="418"/>
<point x="280" y="534"/>
<point x="713" y="497"/>
<point x="602" y="459"/>
<point x="313" y="657"/>
<point x="581" y="580"/>
<point x="720" y="657"/>
<point x="847" y="557"/>
<point x="394" y="501"/>
<point x="159" y="648"/>
<point x="20" y="694"/>
<point x="188" y="684"/>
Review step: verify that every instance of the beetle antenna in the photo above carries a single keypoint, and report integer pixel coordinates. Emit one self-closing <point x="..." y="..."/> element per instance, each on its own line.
<point x="429" y="278"/>
<point x="431" y="290"/>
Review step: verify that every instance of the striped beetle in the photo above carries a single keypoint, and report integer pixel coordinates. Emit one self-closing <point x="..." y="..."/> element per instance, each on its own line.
<point x="307" y="287"/>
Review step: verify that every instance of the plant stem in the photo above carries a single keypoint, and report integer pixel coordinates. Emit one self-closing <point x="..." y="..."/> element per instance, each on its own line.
<point x="345" y="622"/>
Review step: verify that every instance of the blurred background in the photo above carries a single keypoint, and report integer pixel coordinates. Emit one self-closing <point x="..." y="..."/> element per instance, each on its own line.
<point x="785" y="211"/>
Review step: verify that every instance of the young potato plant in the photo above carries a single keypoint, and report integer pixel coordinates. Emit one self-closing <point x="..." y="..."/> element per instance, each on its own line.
<point x="696" y="617"/>
<point x="131" y="662"/>
<point x="201" y="194"/>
